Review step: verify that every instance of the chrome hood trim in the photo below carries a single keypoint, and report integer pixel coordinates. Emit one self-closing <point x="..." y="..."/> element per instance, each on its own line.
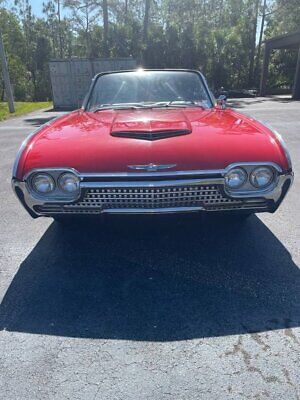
<point x="151" y="135"/>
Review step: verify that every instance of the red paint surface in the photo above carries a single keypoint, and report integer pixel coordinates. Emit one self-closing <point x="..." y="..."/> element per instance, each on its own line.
<point x="82" y="140"/>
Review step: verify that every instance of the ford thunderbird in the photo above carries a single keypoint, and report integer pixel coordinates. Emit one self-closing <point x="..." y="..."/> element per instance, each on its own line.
<point x="152" y="141"/>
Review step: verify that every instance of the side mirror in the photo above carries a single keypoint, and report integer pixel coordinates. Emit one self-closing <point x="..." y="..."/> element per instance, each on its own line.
<point x="221" y="101"/>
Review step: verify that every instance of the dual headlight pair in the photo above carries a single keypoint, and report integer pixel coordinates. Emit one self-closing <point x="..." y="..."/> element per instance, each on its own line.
<point x="43" y="183"/>
<point x="259" y="178"/>
<point x="236" y="178"/>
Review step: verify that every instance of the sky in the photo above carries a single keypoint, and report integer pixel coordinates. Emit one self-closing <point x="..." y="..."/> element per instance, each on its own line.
<point x="37" y="7"/>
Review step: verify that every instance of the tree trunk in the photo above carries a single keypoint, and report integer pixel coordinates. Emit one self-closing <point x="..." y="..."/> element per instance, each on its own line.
<point x="126" y="11"/>
<point x="253" y="43"/>
<point x="105" y="28"/>
<point x="146" y="28"/>
<point x="87" y="29"/>
<point x="59" y="30"/>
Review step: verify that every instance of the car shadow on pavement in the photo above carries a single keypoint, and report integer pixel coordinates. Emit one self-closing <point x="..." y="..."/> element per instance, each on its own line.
<point x="39" y="121"/>
<point x="154" y="279"/>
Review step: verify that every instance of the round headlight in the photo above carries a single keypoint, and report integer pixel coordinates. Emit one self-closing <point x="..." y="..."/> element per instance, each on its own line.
<point x="235" y="178"/>
<point x="69" y="183"/>
<point x="43" y="183"/>
<point x="261" y="177"/>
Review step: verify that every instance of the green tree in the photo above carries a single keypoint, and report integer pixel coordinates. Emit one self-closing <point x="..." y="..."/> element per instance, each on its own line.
<point x="218" y="36"/>
<point x="84" y="14"/>
<point x="14" y="43"/>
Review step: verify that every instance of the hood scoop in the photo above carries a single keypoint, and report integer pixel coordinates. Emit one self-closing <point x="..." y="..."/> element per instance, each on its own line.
<point x="150" y="124"/>
<point x="151" y="135"/>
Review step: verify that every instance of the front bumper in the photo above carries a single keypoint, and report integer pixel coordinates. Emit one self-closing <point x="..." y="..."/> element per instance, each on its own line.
<point x="154" y="194"/>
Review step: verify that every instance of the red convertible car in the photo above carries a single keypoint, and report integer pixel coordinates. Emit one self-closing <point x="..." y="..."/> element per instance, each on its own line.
<point x="151" y="141"/>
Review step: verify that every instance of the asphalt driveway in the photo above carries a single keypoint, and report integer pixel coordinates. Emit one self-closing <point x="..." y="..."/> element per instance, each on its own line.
<point x="151" y="308"/>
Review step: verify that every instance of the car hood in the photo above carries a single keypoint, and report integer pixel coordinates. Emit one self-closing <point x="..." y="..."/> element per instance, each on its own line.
<point x="212" y="139"/>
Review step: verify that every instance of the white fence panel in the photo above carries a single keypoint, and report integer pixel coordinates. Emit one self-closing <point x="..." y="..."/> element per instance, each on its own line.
<point x="71" y="79"/>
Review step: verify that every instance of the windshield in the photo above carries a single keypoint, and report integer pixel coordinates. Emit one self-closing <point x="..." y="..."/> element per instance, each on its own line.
<point x="148" y="89"/>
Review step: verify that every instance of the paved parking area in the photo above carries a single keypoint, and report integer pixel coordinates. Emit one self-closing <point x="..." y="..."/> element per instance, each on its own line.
<point x="151" y="308"/>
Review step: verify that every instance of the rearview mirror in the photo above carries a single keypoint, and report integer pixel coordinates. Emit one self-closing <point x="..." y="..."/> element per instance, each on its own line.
<point x="221" y="101"/>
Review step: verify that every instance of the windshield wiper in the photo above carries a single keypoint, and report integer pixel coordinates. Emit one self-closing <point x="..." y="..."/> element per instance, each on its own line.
<point x="135" y="106"/>
<point x="116" y="107"/>
<point x="177" y="103"/>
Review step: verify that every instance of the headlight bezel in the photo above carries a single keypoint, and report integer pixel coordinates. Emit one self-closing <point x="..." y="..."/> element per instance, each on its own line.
<point x="58" y="194"/>
<point x="248" y="189"/>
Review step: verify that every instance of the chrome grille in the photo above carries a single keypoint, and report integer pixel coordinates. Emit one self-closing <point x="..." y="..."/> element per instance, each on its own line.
<point x="131" y="198"/>
<point x="169" y="198"/>
<point x="155" y="197"/>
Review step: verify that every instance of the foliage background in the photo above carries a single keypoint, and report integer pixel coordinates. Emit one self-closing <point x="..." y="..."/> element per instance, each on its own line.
<point x="221" y="37"/>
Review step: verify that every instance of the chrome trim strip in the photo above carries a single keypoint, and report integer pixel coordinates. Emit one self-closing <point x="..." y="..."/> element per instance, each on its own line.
<point x="176" y="210"/>
<point x="222" y="172"/>
<point x="165" y="210"/>
<point x="148" y="174"/>
<point x="210" y="95"/>
<point x="177" y="173"/>
<point x="169" y="210"/>
<point x="152" y="184"/>
<point x="24" y="144"/>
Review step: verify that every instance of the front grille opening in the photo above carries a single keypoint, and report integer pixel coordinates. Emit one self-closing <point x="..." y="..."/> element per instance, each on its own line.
<point x="157" y="197"/>
<point x="98" y="200"/>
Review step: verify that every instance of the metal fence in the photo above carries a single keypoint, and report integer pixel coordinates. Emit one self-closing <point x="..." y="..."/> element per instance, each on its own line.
<point x="70" y="79"/>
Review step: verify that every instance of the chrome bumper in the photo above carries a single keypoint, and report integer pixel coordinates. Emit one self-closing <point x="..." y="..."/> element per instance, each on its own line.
<point x="263" y="201"/>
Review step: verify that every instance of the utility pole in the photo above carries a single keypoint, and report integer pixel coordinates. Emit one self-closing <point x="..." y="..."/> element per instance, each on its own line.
<point x="6" y="79"/>
<point x="59" y="30"/>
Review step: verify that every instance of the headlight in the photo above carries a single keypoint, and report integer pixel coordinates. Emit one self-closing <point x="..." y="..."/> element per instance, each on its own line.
<point x="235" y="178"/>
<point x="69" y="183"/>
<point x="261" y="177"/>
<point x="43" y="183"/>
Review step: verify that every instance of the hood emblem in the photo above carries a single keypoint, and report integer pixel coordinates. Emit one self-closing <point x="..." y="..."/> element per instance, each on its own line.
<point x="152" y="167"/>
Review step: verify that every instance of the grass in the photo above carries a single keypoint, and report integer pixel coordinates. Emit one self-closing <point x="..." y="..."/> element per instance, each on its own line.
<point x="22" y="108"/>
